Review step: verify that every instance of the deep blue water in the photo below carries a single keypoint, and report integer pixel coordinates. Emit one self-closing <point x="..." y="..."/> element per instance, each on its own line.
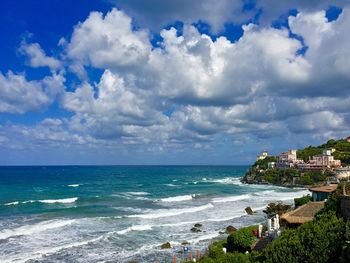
<point x="118" y="213"/>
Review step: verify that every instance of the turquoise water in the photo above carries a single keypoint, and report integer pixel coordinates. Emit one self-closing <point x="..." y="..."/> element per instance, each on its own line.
<point x="119" y="213"/>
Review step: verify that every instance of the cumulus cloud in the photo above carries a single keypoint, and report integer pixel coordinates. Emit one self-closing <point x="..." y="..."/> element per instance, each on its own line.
<point x="212" y="86"/>
<point x="191" y="90"/>
<point x="156" y="14"/>
<point x="108" y="42"/>
<point x="18" y="95"/>
<point x="37" y="56"/>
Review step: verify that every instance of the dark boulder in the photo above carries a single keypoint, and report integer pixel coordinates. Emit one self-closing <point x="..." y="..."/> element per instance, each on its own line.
<point x="165" y="245"/>
<point x="195" y="230"/>
<point x="249" y="210"/>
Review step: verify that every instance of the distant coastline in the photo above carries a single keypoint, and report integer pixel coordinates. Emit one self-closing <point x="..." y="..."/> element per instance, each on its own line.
<point x="306" y="167"/>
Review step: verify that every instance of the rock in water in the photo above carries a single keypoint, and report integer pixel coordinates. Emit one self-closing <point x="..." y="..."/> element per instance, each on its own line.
<point x="165" y="245"/>
<point x="230" y="229"/>
<point x="198" y="225"/>
<point x="249" y="210"/>
<point x="195" y="230"/>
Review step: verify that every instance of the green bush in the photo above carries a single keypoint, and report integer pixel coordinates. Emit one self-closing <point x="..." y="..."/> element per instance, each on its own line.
<point x="316" y="241"/>
<point x="241" y="240"/>
<point x="280" y="176"/>
<point x="279" y="208"/>
<point x="264" y="163"/>
<point x="311" y="178"/>
<point x="302" y="200"/>
<point x="215" y="249"/>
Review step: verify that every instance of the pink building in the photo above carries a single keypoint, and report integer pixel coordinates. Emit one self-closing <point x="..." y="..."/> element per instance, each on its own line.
<point x="288" y="159"/>
<point x="321" y="161"/>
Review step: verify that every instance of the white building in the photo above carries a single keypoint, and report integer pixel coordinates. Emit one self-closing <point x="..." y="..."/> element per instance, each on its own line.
<point x="262" y="156"/>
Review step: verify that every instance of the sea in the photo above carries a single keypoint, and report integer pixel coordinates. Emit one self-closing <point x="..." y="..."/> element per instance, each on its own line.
<point x="124" y="213"/>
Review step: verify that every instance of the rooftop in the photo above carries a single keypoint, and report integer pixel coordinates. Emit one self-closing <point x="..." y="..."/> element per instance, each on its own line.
<point x="325" y="188"/>
<point x="304" y="213"/>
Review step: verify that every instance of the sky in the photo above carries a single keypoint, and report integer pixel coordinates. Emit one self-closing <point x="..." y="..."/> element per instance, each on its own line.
<point x="153" y="82"/>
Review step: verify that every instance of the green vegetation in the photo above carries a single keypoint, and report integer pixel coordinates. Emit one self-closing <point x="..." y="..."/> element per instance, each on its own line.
<point x="280" y="176"/>
<point x="302" y="200"/>
<point x="262" y="164"/>
<point x="316" y="241"/>
<point x="241" y="240"/>
<point x="260" y="174"/>
<point x="321" y="240"/>
<point x="310" y="178"/>
<point x="342" y="152"/>
<point x="279" y="208"/>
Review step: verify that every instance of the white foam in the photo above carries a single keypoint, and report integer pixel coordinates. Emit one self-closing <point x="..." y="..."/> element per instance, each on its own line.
<point x="231" y="198"/>
<point x="223" y="219"/>
<point x="12" y="203"/>
<point x="73" y="185"/>
<point x="203" y="238"/>
<point x="62" y="201"/>
<point x="134" y="228"/>
<point x="171" y="185"/>
<point x="48" y="201"/>
<point x="44" y="252"/>
<point x="172" y="212"/>
<point x="138" y="193"/>
<point x="179" y="198"/>
<point x="179" y="224"/>
<point x="226" y="180"/>
<point x="32" y="229"/>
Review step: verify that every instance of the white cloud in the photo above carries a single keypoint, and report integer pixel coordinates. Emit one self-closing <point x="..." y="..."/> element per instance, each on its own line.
<point x="108" y="41"/>
<point x="37" y="57"/>
<point x="214" y="87"/>
<point x="18" y="95"/>
<point x="193" y="90"/>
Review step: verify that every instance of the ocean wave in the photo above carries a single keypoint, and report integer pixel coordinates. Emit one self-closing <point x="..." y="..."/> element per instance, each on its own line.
<point x="73" y="185"/>
<point x="178" y="198"/>
<point x="12" y="203"/>
<point x="46" y="252"/>
<point x="226" y="180"/>
<point x="231" y="198"/>
<point x="137" y="193"/>
<point x="134" y="228"/>
<point x="62" y="201"/>
<point x="171" y="185"/>
<point x="224" y="219"/>
<point x="48" y="201"/>
<point x="33" y="229"/>
<point x="203" y="238"/>
<point x="171" y="212"/>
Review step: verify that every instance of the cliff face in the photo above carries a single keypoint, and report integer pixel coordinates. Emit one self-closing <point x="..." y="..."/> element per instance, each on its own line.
<point x="281" y="177"/>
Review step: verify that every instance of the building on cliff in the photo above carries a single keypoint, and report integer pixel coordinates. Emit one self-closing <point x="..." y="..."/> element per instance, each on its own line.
<point x="262" y="156"/>
<point x="321" y="161"/>
<point x="288" y="159"/>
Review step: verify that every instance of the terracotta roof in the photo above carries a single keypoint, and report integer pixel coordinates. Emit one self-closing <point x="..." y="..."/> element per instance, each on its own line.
<point x="325" y="188"/>
<point x="304" y="213"/>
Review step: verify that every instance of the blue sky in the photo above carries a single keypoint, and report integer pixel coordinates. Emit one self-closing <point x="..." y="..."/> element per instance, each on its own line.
<point x="170" y="82"/>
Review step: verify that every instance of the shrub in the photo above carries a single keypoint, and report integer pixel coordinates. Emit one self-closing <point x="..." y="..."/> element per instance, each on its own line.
<point x="241" y="240"/>
<point x="316" y="241"/>
<point x="215" y="249"/>
<point x="276" y="208"/>
<point x="302" y="200"/>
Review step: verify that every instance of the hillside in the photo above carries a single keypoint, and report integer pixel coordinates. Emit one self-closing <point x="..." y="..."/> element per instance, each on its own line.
<point x="342" y="152"/>
<point x="259" y="174"/>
